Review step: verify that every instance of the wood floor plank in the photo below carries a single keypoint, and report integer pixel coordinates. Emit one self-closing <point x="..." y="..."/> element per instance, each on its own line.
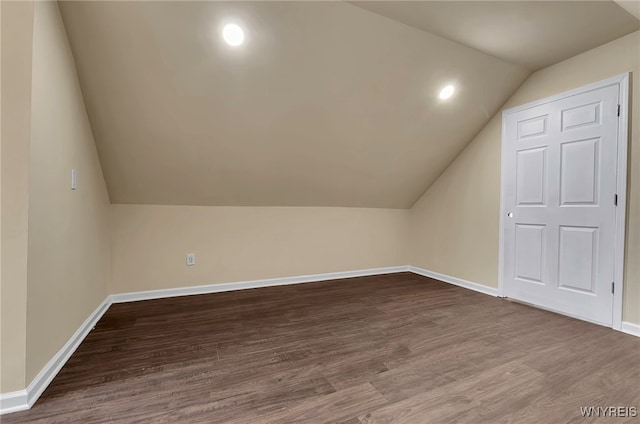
<point x="446" y="403"/>
<point x="395" y="348"/>
<point x="336" y="407"/>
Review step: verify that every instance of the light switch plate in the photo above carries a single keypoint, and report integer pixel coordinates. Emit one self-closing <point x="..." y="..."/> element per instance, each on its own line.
<point x="74" y="179"/>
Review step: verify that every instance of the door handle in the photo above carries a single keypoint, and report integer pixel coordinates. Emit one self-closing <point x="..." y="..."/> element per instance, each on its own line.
<point x="510" y="214"/>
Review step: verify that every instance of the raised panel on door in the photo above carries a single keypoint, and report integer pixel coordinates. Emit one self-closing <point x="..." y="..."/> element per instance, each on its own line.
<point x="579" y="169"/>
<point x="530" y="249"/>
<point x="578" y="252"/>
<point x="581" y="116"/>
<point x="530" y="176"/>
<point x="532" y="127"/>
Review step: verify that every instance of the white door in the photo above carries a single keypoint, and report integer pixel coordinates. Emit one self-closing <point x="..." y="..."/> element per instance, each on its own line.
<point x="559" y="201"/>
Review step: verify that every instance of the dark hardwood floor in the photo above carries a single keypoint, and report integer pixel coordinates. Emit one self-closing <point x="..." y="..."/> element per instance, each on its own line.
<point x="393" y="348"/>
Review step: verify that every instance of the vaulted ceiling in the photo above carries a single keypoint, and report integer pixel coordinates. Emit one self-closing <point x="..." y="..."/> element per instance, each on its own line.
<point x="325" y="104"/>
<point x="533" y="34"/>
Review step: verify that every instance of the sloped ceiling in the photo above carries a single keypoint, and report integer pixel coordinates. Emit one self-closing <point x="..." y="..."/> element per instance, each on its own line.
<point x="533" y="34"/>
<point x="631" y="6"/>
<point x="326" y="104"/>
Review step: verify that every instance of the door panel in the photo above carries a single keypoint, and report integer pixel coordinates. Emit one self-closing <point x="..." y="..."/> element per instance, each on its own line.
<point x="559" y="186"/>
<point x="530" y="252"/>
<point x="581" y="116"/>
<point x="532" y="127"/>
<point x="530" y="176"/>
<point x="578" y="257"/>
<point x="579" y="172"/>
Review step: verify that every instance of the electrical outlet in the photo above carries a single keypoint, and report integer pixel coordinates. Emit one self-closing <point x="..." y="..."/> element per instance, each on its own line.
<point x="191" y="259"/>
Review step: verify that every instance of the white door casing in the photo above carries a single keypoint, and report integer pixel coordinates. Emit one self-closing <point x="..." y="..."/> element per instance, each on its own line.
<point x="560" y="244"/>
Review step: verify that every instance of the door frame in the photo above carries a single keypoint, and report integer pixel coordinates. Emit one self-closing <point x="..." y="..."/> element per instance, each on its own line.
<point x="622" y="81"/>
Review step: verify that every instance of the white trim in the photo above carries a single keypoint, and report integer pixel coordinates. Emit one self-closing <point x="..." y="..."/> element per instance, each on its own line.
<point x="252" y="284"/>
<point x="53" y="367"/>
<point x="626" y="327"/>
<point x="630" y="328"/>
<point x="582" y="89"/>
<point x="503" y="208"/>
<point x="24" y="399"/>
<point x="622" y="81"/>
<point x="491" y="291"/>
<point x="621" y="210"/>
<point x="13" y="401"/>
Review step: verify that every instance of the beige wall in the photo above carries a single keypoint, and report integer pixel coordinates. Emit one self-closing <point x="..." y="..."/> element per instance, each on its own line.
<point x="293" y="118"/>
<point x="454" y="225"/>
<point x="245" y="243"/>
<point x="69" y="243"/>
<point x="79" y="248"/>
<point x="17" y="33"/>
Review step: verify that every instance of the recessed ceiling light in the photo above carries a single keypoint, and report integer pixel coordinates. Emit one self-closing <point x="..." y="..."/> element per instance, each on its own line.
<point x="447" y="92"/>
<point x="233" y="34"/>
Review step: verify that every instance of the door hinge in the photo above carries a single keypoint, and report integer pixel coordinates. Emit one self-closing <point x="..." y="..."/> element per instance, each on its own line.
<point x="618" y="110"/>
<point x="615" y="199"/>
<point x="613" y="288"/>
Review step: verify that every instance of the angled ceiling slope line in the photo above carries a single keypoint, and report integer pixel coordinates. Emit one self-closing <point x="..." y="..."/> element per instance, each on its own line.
<point x="532" y="34"/>
<point x="631" y="6"/>
<point x="324" y="104"/>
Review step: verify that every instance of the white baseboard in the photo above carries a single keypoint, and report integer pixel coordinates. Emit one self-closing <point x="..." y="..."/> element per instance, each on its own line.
<point x="14" y="401"/>
<point x="454" y="280"/>
<point x="24" y="399"/>
<point x="627" y="327"/>
<point x="242" y="285"/>
<point x="630" y="328"/>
